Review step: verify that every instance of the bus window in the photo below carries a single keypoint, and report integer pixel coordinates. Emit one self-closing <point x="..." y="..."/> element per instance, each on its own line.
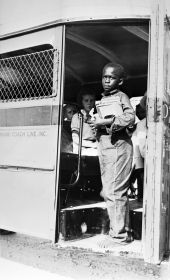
<point x="27" y="74"/>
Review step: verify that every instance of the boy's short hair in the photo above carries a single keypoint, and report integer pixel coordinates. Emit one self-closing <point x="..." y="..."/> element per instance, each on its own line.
<point x="119" y="69"/>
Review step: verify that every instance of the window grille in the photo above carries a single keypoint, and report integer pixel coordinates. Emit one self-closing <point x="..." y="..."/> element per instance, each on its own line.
<point x="28" y="76"/>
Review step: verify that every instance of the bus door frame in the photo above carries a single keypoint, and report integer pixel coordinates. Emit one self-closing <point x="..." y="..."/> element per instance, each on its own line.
<point x="156" y="197"/>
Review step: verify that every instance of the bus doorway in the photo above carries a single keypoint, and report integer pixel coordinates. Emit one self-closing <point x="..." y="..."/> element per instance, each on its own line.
<point x="83" y="218"/>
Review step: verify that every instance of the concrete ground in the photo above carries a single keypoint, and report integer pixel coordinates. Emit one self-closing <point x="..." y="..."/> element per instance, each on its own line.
<point x="17" y="271"/>
<point x="44" y="260"/>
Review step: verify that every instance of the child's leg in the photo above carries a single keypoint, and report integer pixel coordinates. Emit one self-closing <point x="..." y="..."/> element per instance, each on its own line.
<point x="118" y="215"/>
<point x="116" y="161"/>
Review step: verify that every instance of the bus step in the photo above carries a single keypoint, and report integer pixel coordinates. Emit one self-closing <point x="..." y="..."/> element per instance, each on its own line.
<point x="136" y="222"/>
<point x="87" y="220"/>
<point x="82" y="221"/>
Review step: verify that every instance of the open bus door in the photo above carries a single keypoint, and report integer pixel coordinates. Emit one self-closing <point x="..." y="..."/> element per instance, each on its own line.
<point x="157" y="179"/>
<point x="29" y="128"/>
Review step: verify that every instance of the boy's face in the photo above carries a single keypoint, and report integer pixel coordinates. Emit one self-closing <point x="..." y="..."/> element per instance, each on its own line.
<point x="88" y="102"/>
<point x="110" y="80"/>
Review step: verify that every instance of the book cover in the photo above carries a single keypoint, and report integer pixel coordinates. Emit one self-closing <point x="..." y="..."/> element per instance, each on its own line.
<point x="109" y="106"/>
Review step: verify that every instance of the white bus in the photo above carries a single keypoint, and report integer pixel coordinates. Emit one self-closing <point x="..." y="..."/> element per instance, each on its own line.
<point x="49" y="50"/>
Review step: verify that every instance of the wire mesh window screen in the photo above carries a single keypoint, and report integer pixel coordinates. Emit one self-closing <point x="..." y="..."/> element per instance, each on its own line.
<point x="28" y="76"/>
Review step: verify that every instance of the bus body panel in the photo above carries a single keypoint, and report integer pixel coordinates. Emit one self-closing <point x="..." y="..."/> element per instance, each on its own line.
<point x="24" y="15"/>
<point x="28" y="147"/>
<point x="27" y="202"/>
<point x="29" y="135"/>
<point x="28" y="41"/>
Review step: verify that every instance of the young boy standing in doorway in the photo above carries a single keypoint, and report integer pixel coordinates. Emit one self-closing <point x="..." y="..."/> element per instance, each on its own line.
<point x="115" y="152"/>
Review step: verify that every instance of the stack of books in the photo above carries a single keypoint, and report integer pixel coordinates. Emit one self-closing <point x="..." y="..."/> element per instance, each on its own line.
<point x="109" y="106"/>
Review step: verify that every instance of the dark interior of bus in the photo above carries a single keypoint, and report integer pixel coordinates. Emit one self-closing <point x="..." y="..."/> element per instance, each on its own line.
<point x="89" y="47"/>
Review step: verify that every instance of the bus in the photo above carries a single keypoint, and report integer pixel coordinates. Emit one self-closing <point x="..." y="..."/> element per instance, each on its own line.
<point x="49" y="50"/>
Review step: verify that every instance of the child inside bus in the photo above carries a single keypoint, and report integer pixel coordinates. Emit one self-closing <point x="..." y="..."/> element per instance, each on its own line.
<point x="115" y="155"/>
<point x="89" y="146"/>
<point x="67" y="144"/>
<point x="139" y="141"/>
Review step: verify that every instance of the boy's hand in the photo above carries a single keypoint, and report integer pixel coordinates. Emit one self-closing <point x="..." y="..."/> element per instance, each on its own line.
<point x="97" y="122"/>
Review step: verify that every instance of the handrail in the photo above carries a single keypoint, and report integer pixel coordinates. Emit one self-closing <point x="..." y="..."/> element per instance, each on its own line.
<point x="20" y="167"/>
<point x="79" y="155"/>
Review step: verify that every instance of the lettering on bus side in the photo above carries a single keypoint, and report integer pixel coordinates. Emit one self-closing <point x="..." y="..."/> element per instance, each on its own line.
<point x="21" y="133"/>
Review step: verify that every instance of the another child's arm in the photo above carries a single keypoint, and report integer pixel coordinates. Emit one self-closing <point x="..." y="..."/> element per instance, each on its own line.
<point x="76" y="131"/>
<point x="85" y="143"/>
